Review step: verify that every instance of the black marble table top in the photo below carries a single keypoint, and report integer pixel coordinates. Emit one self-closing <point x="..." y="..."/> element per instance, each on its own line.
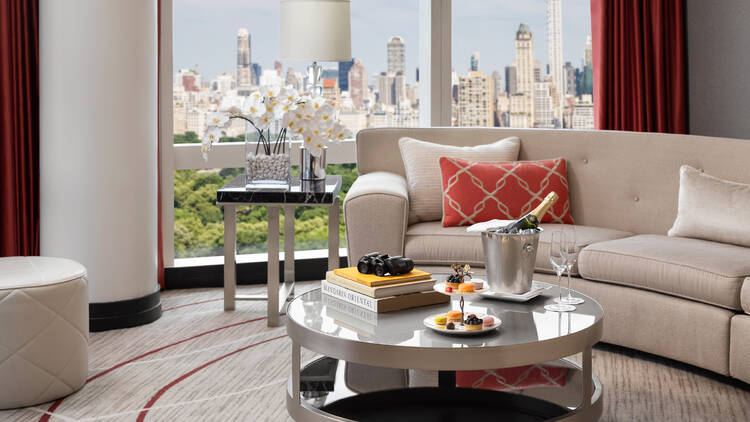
<point x="300" y="192"/>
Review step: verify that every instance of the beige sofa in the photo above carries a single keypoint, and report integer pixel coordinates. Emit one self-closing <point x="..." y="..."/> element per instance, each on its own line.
<point x="682" y="298"/>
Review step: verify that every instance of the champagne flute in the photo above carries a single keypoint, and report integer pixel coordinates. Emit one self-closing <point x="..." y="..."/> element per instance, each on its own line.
<point x="557" y="259"/>
<point x="571" y="256"/>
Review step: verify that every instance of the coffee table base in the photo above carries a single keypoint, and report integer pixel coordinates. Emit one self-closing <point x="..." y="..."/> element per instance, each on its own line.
<point x="527" y="404"/>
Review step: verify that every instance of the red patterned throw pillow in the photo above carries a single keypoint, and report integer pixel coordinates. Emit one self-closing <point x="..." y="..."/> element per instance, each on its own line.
<point x="476" y="192"/>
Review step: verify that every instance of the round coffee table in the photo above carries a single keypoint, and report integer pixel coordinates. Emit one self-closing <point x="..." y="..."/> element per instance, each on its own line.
<point x="529" y="335"/>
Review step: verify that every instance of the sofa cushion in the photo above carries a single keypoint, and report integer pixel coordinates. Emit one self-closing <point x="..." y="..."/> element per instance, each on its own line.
<point x="423" y="171"/>
<point x="710" y="208"/>
<point x="432" y="244"/>
<point x="696" y="269"/>
<point x="474" y="192"/>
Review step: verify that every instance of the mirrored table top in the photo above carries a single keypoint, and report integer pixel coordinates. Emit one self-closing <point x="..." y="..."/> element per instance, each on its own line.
<point x="521" y="322"/>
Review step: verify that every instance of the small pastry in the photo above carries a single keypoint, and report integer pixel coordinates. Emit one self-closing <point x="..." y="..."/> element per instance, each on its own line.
<point x="450" y="326"/>
<point x="478" y="285"/>
<point x="440" y="320"/>
<point x="453" y="316"/>
<point x="473" y="324"/>
<point x="488" y="321"/>
<point x="466" y="287"/>
<point x="453" y="281"/>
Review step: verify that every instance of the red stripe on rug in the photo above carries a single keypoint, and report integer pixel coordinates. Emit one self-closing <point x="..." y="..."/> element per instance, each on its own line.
<point x="142" y="414"/>
<point x="56" y="404"/>
<point x="191" y="304"/>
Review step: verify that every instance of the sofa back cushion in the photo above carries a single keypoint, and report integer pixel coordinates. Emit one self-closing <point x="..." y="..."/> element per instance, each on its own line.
<point x="710" y="208"/>
<point x="627" y="181"/>
<point x="423" y="170"/>
<point x="477" y="192"/>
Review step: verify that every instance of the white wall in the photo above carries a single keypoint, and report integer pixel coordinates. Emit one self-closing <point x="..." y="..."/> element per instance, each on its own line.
<point x="98" y="82"/>
<point x="718" y="36"/>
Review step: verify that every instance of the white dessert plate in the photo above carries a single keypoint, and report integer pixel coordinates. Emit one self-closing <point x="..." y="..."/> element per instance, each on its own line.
<point x="535" y="291"/>
<point x="460" y="329"/>
<point x="440" y="287"/>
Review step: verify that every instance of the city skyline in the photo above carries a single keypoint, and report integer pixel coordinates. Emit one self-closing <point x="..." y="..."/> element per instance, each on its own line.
<point x="204" y="36"/>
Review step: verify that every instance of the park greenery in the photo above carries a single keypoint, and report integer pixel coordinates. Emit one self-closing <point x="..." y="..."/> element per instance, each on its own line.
<point x="198" y="221"/>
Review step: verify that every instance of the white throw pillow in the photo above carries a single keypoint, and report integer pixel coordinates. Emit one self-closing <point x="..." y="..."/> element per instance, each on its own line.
<point x="423" y="170"/>
<point x="710" y="208"/>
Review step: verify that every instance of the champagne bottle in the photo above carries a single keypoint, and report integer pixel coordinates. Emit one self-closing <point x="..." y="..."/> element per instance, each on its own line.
<point x="532" y="219"/>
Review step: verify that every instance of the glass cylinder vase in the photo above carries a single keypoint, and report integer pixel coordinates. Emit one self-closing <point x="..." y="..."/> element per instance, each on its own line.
<point x="268" y="162"/>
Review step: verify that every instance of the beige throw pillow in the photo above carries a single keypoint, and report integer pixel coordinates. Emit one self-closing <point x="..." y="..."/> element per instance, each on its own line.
<point x="423" y="170"/>
<point x="710" y="208"/>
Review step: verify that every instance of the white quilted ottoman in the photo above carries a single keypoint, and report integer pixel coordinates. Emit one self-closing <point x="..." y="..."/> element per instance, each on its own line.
<point x="44" y="324"/>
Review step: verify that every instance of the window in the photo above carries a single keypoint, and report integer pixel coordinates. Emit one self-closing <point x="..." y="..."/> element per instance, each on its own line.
<point x="222" y="48"/>
<point x="522" y="64"/>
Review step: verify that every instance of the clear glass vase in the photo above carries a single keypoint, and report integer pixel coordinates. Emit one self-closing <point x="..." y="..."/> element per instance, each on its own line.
<point x="268" y="162"/>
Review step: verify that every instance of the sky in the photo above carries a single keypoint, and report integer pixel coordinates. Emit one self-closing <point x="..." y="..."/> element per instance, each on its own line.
<point x="205" y="32"/>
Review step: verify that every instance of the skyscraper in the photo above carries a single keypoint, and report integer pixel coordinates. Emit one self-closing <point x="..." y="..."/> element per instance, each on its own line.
<point x="257" y="71"/>
<point x="396" y="55"/>
<point x="476" y="107"/>
<point x="510" y="80"/>
<point x="554" y="49"/>
<point x="244" y="65"/>
<point x="344" y="68"/>
<point x="474" y="62"/>
<point x="587" y="53"/>
<point x="358" y="83"/>
<point x="522" y="108"/>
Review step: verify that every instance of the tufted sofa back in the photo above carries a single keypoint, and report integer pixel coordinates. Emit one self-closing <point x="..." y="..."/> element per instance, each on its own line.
<point x="621" y="180"/>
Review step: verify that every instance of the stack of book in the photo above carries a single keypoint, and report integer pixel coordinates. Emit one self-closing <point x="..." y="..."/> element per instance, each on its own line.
<point x="382" y="294"/>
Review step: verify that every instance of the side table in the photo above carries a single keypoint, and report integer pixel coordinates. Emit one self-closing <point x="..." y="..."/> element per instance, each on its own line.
<point x="322" y="193"/>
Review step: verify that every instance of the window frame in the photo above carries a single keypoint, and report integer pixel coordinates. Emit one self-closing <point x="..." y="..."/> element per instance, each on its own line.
<point x="435" y="110"/>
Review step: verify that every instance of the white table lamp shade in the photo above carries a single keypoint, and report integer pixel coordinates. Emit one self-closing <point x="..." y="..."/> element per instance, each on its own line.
<point x="315" y="30"/>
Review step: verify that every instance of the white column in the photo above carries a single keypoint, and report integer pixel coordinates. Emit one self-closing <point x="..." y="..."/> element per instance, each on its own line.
<point x="434" y="63"/>
<point x="98" y="147"/>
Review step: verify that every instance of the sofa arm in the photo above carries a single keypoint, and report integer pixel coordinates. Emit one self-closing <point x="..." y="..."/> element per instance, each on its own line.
<point x="376" y="209"/>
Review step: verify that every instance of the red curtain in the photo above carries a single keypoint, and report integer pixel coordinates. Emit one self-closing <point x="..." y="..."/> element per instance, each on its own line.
<point x="19" y="128"/>
<point x="639" y="58"/>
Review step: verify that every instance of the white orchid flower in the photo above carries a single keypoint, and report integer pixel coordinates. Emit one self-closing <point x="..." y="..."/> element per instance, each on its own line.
<point x="265" y="120"/>
<point x="256" y="95"/>
<point x="231" y="104"/>
<point x="340" y="133"/>
<point x="217" y="119"/>
<point x="325" y="115"/>
<point x="317" y="103"/>
<point x="289" y="121"/>
<point x="253" y="107"/>
<point x="305" y="110"/>
<point x="290" y="95"/>
<point x="270" y="91"/>
<point x="211" y="136"/>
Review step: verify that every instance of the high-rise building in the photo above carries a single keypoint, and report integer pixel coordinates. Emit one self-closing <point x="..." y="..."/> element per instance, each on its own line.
<point x="292" y="79"/>
<point x="555" y="49"/>
<point x="257" y="71"/>
<point x="587" y="53"/>
<point x="543" y="106"/>
<point x="583" y="114"/>
<point x="344" y="68"/>
<point x="538" y="74"/>
<point x="223" y="84"/>
<point x="510" y="80"/>
<point x="474" y="62"/>
<point x="331" y="91"/>
<point x="358" y="84"/>
<point x="278" y="67"/>
<point x="522" y="109"/>
<point x="497" y="84"/>
<point x="476" y="107"/>
<point x="244" y="64"/>
<point x="570" y="79"/>
<point x="396" y="55"/>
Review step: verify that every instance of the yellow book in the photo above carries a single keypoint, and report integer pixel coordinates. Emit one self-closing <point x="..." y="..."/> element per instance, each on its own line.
<point x="372" y="280"/>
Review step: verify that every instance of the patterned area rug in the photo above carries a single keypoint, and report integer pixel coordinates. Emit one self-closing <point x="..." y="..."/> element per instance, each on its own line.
<point x="200" y="363"/>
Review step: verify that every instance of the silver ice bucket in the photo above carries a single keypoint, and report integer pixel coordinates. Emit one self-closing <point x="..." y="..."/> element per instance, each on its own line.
<point x="509" y="260"/>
